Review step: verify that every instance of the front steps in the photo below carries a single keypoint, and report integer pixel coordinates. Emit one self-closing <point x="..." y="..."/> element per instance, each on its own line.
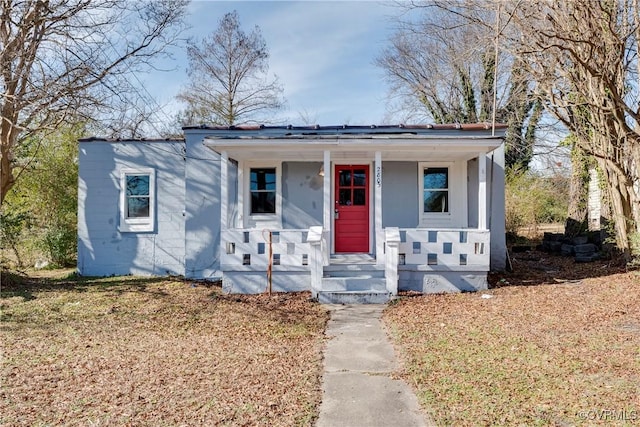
<point x="353" y="279"/>
<point x="353" y="297"/>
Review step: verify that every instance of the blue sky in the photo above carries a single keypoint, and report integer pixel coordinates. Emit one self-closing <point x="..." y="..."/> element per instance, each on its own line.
<point x="322" y="51"/>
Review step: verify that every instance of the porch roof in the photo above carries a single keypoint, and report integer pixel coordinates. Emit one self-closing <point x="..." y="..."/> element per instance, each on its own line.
<point x="436" y="142"/>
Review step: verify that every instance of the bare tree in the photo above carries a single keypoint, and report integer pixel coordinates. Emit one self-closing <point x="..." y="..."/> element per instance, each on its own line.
<point x="61" y="58"/>
<point x="306" y="117"/>
<point x="446" y="62"/>
<point x="229" y="82"/>
<point x="584" y="57"/>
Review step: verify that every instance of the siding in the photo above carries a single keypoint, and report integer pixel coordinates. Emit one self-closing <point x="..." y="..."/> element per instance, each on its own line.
<point x="202" y="209"/>
<point x="495" y="207"/>
<point x="102" y="248"/>
<point x="302" y="193"/>
<point x="186" y="238"/>
<point x="401" y="198"/>
<point x="400" y="194"/>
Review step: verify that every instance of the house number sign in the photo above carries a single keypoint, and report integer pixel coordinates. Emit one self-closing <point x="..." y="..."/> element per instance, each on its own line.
<point x="379" y="176"/>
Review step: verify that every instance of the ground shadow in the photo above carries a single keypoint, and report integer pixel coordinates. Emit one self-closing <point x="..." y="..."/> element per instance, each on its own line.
<point x="26" y="286"/>
<point x="534" y="267"/>
<point x="285" y="307"/>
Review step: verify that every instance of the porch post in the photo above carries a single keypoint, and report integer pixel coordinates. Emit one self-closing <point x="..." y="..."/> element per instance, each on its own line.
<point x="314" y="237"/>
<point x="482" y="191"/>
<point x="240" y="186"/>
<point x="326" y="201"/>
<point x="379" y="232"/>
<point x="224" y="191"/>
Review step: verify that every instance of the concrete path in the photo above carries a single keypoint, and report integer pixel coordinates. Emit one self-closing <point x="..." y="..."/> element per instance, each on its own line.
<point x="358" y="362"/>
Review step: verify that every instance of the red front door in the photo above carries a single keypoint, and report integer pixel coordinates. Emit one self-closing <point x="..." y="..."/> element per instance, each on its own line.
<point x="352" y="208"/>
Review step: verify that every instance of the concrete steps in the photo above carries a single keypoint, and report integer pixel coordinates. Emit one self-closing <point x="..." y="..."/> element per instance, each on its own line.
<point x="353" y="279"/>
<point x="354" y="283"/>
<point x="354" y="270"/>
<point x="354" y="297"/>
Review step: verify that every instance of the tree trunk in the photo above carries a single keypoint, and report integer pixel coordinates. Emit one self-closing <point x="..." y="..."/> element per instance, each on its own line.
<point x="577" y="212"/>
<point x="8" y="137"/>
<point x="621" y="197"/>
<point x="5" y="175"/>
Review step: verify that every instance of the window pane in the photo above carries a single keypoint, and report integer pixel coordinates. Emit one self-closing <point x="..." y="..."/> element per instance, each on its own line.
<point x="345" y="197"/>
<point x="344" y="178"/>
<point x="359" y="197"/>
<point x="359" y="178"/>
<point x="137" y="185"/>
<point x="435" y="178"/>
<point x="263" y="202"/>
<point x="436" y="201"/>
<point x="137" y="207"/>
<point x="263" y="179"/>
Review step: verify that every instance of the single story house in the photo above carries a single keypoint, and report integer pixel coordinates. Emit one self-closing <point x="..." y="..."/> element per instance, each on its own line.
<point x="352" y="213"/>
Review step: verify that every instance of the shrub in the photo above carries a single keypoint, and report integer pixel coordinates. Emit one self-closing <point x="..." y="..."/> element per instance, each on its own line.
<point x="47" y="193"/>
<point x="12" y="225"/>
<point x="533" y="199"/>
<point x="60" y="245"/>
<point x="635" y="249"/>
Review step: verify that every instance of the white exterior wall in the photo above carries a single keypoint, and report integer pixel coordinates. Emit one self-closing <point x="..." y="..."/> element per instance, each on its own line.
<point x="402" y="196"/>
<point x="102" y="248"/>
<point x="202" y="208"/>
<point x="186" y="237"/>
<point x="496" y="208"/>
<point x="495" y="204"/>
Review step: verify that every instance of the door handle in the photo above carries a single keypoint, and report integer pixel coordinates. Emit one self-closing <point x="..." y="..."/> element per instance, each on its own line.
<point x="336" y="214"/>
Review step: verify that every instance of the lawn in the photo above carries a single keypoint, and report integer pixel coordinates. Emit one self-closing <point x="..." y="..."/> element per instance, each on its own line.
<point x="559" y="346"/>
<point x="556" y="343"/>
<point x="134" y="351"/>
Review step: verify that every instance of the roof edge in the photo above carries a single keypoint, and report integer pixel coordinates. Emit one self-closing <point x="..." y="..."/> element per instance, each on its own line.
<point x="451" y="126"/>
<point x="100" y="139"/>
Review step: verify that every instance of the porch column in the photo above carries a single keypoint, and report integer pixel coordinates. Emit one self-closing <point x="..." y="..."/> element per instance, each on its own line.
<point x="326" y="201"/>
<point x="482" y="191"/>
<point x="224" y="191"/>
<point x="379" y="232"/>
<point x="240" y="187"/>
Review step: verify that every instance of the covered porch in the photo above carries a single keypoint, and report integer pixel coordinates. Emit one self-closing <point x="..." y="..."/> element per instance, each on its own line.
<point x="357" y="213"/>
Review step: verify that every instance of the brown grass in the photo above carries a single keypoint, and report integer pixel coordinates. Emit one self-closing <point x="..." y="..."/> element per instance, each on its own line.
<point x="558" y="346"/>
<point x="132" y="351"/>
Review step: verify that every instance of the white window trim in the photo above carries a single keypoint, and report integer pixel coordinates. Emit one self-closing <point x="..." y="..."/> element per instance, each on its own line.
<point x="426" y="218"/>
<point x="261" y="220"/>
<point x="137" y="225"/>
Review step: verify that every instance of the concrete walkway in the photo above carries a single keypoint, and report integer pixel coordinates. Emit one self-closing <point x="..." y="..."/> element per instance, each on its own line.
<point x="358" y="362"/>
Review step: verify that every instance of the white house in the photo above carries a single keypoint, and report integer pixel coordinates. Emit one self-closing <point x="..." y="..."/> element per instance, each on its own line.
<point x="352" y="213"/>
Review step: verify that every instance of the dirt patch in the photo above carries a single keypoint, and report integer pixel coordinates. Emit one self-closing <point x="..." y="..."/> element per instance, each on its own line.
<point x="553" y="343"/>
<point x="130" y="351"/>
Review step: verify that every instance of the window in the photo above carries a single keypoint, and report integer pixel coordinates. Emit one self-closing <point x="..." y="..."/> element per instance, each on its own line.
<point x="137" y="191"/>
<point x="435" y="190"/>
<point x="262" y="187"/>
<point x="352" y="187"/>
<point x="442" y="191"/>
<point x="138" y="197"/>
<point x="260" y="195"/>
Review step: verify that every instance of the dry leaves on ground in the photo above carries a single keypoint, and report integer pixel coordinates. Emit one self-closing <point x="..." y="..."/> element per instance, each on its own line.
<point x="130" y="351"/>
<point x="554" y="343"/>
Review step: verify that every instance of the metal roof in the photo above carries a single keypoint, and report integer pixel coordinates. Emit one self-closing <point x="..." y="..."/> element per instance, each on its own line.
<point x="262" y="131"/>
